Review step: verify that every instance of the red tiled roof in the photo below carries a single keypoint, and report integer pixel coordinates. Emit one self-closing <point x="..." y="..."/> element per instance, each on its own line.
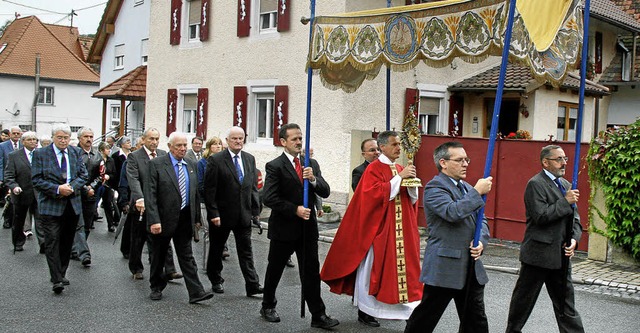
<point x="61" y="58"/>
<point x="608" y="11"/>
<point x="632" y="7"/>
<point x="131" y="86"/>
<point x="518" y="78"/>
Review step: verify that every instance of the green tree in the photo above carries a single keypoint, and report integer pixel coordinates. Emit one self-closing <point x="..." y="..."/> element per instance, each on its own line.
<point x="4" y="27"/>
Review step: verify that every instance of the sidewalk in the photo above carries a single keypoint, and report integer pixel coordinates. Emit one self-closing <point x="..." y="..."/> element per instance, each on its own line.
<point x="503" y="256"/>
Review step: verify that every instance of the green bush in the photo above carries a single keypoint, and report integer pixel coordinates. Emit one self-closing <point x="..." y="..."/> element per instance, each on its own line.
<point x="614" y="165"/>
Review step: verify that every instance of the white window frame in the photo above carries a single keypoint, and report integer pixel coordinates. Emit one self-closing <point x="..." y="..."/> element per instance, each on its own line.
<point x="118" y="57"/>
<point x="436" y="91"/>
<point x="256" y="23"/>
<point x="186" y="89"/>
<point x="186" y="42"/>
<point x="46" y="95"/>
<point x="114" y="114"/>
<point x="144" y="51"/>
<point x="260" y="90"/>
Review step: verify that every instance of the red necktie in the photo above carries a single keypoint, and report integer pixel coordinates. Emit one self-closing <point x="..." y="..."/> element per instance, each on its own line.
<point x="296" y="161"/>
<point x="153" y="155"/>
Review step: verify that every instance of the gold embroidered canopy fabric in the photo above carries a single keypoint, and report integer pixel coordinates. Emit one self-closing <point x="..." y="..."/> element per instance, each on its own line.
<point x="348" y="48"/>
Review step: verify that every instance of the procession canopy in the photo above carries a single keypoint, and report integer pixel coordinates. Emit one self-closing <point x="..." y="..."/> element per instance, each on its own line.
<point x="348" y="48"/>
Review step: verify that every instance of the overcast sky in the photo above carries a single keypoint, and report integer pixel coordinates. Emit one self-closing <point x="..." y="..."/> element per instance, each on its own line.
<point x="56" y="11"/>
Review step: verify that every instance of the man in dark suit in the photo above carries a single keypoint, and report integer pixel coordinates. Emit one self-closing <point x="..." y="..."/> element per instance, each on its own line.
<point x="6" y="148"/>
<point x="451" y="206"/>
<point x="91" y="159"/>
<point x="18" y="179"/>
<point x="173" y="210"/>
<point x="195" y="153"/>
<point x="551" y="210"/>
<point x="137" y="170"/>
<point x="58" y="175"/>
<point x="231" y="198"/>
<point x="370" y="152"/>
<point x="292" y="227"/>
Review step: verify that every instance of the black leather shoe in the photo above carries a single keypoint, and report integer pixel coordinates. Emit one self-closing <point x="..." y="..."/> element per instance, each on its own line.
<point x="156" y="295"/>
<point x="173" y="276"/>
<point x="367" y="319"/>
<point x="270" y="315"/>
<point x="205" y="296"/>
<point x="65" y="282"/>
<point x="255" y="291"/>
<point x="58" y="287"/>
<point x="217" y="288"/>
<point x="324" y="322"/>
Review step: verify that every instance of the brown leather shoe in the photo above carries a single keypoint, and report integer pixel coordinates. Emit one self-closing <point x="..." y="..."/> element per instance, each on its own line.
<point x="174" y="276"/>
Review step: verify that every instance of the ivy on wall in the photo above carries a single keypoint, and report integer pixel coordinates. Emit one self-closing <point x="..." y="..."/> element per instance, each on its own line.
<point x="614" y="165"/>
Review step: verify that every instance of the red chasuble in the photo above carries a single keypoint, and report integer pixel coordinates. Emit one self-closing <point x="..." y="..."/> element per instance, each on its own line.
<point x="370" y="220"/>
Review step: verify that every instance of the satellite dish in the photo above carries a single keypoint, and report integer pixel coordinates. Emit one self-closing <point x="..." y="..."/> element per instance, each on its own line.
<point x="16" y="109"/>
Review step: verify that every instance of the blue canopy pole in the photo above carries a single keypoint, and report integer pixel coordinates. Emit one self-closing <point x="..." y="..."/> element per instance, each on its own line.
<point x="307" y="131"/>
<point x="388" y="88"/>
<point x="583" y="76"/>
<point x="496" y="115"/>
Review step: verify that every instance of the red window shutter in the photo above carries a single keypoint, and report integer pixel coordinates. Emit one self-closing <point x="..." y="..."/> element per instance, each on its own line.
<point x="284" y="8"/>
<point x="205" y="20"/>
<point x="172" y="110"/>
<point x="174" y="27"/>
<point x="244" y="18"/>
<point x="280" y="111"/>
<point x="411" y="98"/>
<point x="240" y="107"/>
<point x="201" y="116"/>
<point x="598" y="53"/>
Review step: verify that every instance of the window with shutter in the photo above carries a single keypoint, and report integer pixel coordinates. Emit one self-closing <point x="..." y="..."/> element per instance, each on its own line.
<point x="189" y="106"/>
<point x="175" y="17"/>
<point x="201" y="115"/>
<point x="144" y="53"/>
<point x="195" y="11"/>
<point x="428" y="116"/>
<point x="172" y="110"/>
<point x="244" y="18"/>
<point x="268" y="15"/>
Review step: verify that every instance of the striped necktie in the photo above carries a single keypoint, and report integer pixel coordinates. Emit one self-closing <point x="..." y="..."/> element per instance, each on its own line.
<point x="182" y="184"/>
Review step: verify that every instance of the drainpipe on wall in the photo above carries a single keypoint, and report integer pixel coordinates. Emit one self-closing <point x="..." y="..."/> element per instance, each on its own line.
<point x="34" y="106"/>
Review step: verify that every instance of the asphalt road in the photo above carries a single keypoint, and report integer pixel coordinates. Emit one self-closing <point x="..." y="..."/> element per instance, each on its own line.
<point x="104" y="298"/>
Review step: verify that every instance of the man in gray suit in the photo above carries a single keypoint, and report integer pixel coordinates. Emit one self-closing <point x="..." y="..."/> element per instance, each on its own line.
<point x="173" y="209"/>
<point x="451" y="206"/>
<point x="195" y="153"/>
<point x="551" y="211"/>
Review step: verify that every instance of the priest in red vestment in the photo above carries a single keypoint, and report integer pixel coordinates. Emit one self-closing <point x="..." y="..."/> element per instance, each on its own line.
<point x="375" y="255"/>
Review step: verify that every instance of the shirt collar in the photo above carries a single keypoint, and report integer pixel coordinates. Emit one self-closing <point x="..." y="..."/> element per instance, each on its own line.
<point x="385" y="160"/>
<point x="149" y="151"/>
<point x="290" y="157"/>
<point x="57" y="151"/>
<point x="549" y="174"/>
<point x="231" y="153"/>
<point x="174" y="160"/>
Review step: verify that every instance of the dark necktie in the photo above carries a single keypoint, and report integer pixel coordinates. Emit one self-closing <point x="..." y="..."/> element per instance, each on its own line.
<point x="153" y="155"/>
<point x="30" y="157"/>
<point x="238" y="168"/>
<point x="63" y="166"/>
<point x="461" y="188"/>
<point x="182" y="184"/>
<point x="562" y="189"/>
<point x="15" y="146"/>
<point x="296" y="161"/>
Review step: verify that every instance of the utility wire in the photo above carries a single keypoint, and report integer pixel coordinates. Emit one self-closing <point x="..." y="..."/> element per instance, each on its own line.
<point x="44" y="10"/>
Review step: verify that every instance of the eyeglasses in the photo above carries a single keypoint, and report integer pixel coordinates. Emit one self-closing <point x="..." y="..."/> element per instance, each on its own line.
<point x="372" y="150"/>
<point x="460" y="160"/>
<point x="558" y="159"/>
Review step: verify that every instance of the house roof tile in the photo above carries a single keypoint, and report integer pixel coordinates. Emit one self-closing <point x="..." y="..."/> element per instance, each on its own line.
<point x="612" y="75"/>
<point x="131" y="86"/>
<point x="61" y="58"/>
<point x="632" y="7"/>
<point x="518" y="78"/>
<point x="609" y="11"/>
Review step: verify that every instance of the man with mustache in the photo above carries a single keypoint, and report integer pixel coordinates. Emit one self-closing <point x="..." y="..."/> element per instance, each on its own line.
<point x="551" y="208"/>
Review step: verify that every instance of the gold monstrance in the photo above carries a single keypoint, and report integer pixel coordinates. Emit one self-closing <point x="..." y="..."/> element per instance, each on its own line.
<point x="411" y="139"/>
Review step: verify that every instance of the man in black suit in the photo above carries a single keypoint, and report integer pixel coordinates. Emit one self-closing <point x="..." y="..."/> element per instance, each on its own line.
<point x="370" y="152"/>
<point x="551" y="212"/>
<point x="18" y="179"/>
<point x="7" y="147"/>
<point x="58" y="175"/>
<point x="137" y="171"/>
<point x="173" y="210"/>
<point x="292" y="227"/>
<point x="231" y="198"/>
